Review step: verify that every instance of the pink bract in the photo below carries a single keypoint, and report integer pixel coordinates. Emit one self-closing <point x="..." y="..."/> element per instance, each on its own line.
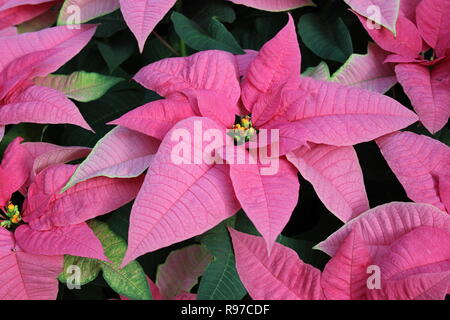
<point x="176" y="201"/>
<point x="410" y="264"/>
<point x="14" y="12"/>
<point x="32" y="55"/>
<point x="421" y="26"/>
<point x="54" y="222"/>
<point x="421" y="164"/>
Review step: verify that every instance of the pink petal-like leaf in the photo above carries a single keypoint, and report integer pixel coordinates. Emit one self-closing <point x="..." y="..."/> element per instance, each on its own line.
<point x="7" y="4"/>
<point x="183" y="198"/>
<point x="345" y="275"/>
<point x="382" y="12"/>
<point x="75" y="240"/>
<point x="419" y="162"/>
<point x="428" y="91"/>
<point x="340" y="115"/>
<point x="41" y="155"/>
<point x="396" y="58"/>
<point x="336" y="176"/>
<point x="433" y="22"/>
<point x="407" y="42"/>
<point x="42" y="105"/>
<point x="16" y="76"/>
<point x="206" y="70"/>
<point x="277" y="62"/>
<point x="382" y="225"/>
<point x="444" y="190"/>
<point x="65" y="42"/>
<point x="422" y="250"/>
<point x="417" y="266"/>
<point x="408" y="9"/>
<point x="245" y="60"/>
<point x="275" y="5"/>
<point x="45" y="20"/>
<point x="156" y="118"/>
<point x="15" y="15"/>
<point x="26" y="276"/>
<point x="142" y="16"/>
<point x="367" y="71"/>
<point x="212" y="105"/>
<point x="46" y="207"/>
<point x="432" y="286"/>
<point x="181" y="270"/>
<point x="268" y="195"/>
<point x="57" y="155"/>
<point x="10" y="31"/>
<point x="280" y="276"/>
<point x="14" y="170"/>
<point x="122" y="153"/>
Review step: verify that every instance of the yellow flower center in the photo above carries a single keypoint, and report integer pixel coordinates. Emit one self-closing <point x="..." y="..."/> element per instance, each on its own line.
<point x="242" y="130"/>
<point x="12" y="216"/>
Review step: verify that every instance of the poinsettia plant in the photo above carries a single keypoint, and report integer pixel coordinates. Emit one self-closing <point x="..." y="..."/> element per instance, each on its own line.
<point x="224" y="150"/>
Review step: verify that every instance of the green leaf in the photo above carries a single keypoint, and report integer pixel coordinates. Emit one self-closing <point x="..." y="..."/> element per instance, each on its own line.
<point x="119" y="221"/>
<point x="219" y="10"/>
<point x="81" y="86"/>
<point x="31" y="132"/>
<point x="155" y="50"/>
<point x="122" y="98"/>
<point x="329" y="39"/>
<point x="90" y="268"/>
<point x="255" y="32"/>
<point x="117" y="50"/>
<point x="444" y="136"/>
<point x="216" y="37"/>
<point x="109" y="24"/>
<point x="130" y="281"/>
<point x="220" y="281"/>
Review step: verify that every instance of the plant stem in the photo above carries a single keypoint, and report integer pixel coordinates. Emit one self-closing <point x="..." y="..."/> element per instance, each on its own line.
<point x="166" y="44"/>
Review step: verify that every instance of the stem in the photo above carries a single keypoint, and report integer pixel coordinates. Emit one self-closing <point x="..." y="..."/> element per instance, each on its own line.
<point x="183" y="49"/>
<point x="166" y="44"/>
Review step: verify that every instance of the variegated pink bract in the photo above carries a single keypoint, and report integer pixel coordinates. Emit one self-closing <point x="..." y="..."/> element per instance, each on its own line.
<point x="15" y="12"/>
<point x="32" y="55"/>
<point x="176" y="277"/>
<point x="54" y="222"/>
<point x="405" y="259"/>
<point x="180" y="201"/>
<point x="421" y="164"/>
<point x="420" y="48"/>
